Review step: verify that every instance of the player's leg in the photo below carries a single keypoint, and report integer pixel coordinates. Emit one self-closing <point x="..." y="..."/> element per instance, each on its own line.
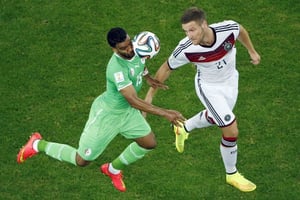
<point x="219" y="101"/>
<point x="135" y="127"/>
<point x="200" y="120"/>
<point x="223" y="105"/>
<point x="132" y="153"/>
<point x="219" y="106"/>
<point x="58" y="151"/>
<point x="228" y="148"/>
<point x="89" y="148"/>
<point x="225" y="119"/>
<point x="61" y="152"/>
<point x="220" y="112"/>
<point x="135" y="151"/>
<point x="99" y="131"/>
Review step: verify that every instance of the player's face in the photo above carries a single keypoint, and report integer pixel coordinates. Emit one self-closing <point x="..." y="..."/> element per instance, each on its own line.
<point x="194" y="31"/>
<point x="125" y="49"/>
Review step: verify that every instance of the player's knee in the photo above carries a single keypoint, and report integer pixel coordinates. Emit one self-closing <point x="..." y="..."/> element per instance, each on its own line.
<point x="234" y="129"/>
<point x="234" y="132"/>
<point x="231" y="130"/>
<point x="153" y="144"/>
<point x="147" y="142"/>
<point x="81" y="162"/>
<point x="150" y="144"/>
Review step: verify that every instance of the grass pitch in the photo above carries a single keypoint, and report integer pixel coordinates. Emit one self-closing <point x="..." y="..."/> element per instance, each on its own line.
<point x="53" y="56"/>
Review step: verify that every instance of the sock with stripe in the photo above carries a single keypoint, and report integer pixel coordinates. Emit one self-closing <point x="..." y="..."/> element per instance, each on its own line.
<point x="131" y="154"/>
<point x="200" y="120"/>
<point x="228" y="148"/>
<point x="61" y="152"/>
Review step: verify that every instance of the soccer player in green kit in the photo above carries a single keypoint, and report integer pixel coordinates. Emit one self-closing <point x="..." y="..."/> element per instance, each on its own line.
<point x="116" y="111"/>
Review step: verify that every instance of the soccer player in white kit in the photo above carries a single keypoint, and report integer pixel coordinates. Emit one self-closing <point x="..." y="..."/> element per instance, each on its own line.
<point x="212" y="49"/>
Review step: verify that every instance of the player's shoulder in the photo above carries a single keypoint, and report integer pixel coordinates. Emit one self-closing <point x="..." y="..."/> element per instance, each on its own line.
<point x="184" y="43"/>
<point x="114" y="65"/>
<point x="184" y="40"/>
<point x="225" y="25"/>
<point x="182" y="46"/>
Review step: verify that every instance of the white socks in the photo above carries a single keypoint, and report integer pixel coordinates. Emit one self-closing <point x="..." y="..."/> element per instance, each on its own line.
<point x="229" y="156"/>
<point x="35" y="145"/>
<point x="112" y="170"/>
<point x="197" y="121"/>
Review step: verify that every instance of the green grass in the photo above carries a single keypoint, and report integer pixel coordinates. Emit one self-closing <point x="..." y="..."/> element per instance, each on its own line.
<point x="53" y="56"/>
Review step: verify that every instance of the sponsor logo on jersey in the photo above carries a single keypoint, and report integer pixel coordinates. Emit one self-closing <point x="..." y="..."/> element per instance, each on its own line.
<point x="119" y="77"/>
<point x="201" y="58"/>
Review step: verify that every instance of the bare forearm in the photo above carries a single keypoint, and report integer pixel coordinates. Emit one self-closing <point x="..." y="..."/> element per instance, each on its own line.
<point x="147" y="107"/>
<point x="161" y="75"/>
<point x="163" y="72"/>
<point x="132" y="98"/>
<point x="244" y="38"/>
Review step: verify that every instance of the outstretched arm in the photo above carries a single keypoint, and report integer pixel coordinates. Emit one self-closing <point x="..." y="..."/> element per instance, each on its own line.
<point x="130" y="95"/>
<point x="155" y="83"/>
<point x="161" y="75"/>
<point x="244" y="38"/>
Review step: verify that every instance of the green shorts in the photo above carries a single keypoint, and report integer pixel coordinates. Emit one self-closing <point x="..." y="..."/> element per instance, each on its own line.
<point x="104" y="125"/>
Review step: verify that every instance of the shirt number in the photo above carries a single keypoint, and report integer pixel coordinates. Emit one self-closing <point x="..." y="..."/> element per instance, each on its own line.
<point x="221" y="64"/>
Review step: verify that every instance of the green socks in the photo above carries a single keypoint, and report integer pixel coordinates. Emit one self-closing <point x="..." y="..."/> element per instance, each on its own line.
<point x="58" y="151"/>
<point x="132" y="153"/>
<point x="66" y="153"/>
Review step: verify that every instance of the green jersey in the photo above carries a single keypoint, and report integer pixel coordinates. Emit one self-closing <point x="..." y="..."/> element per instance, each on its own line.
<point x="121" y="73"/>
<point x="111" y="113"/>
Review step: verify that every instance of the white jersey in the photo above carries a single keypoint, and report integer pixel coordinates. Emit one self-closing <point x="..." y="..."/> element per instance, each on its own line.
<point x="215" y="63"/>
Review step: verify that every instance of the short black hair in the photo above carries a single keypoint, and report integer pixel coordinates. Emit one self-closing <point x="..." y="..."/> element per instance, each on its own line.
<point x="116" y="35"/>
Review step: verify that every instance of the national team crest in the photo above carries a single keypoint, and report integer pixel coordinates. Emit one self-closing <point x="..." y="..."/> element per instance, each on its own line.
<point x="227" y="46"/>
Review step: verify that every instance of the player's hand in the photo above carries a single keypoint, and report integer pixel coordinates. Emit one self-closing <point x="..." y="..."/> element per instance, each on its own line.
<point x="175" y="117"/>
<point x="155" y="83"/>
<point x="255" y="58"/>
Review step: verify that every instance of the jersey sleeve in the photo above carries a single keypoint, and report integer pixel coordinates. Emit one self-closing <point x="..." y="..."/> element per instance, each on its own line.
<point x="236" y="32"/>
<point x="119" y="77"/>
<point x="178" y="58"/>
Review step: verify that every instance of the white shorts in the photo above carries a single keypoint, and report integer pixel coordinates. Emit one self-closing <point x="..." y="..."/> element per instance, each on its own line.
<point x="219" y="99"/>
